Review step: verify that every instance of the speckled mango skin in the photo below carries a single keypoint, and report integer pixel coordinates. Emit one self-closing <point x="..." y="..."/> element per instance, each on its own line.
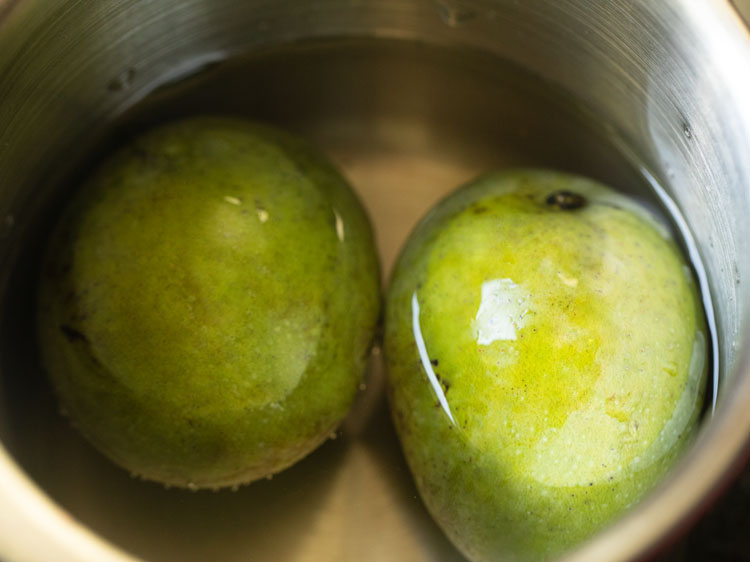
<point x="591" y="387"/>
<point x="207" y="303"/>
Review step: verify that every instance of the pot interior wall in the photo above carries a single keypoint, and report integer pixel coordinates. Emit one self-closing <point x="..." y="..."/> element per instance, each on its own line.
<point x="446" y="91"/>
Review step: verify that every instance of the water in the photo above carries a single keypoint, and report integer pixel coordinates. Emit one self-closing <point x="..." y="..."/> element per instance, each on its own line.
<point x="393" y="113"/>
<point x="406" y="123"/>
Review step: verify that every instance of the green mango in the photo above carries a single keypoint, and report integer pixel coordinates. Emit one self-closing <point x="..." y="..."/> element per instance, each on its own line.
<point x="207" y="303"/>
<point x="546" y="350"/>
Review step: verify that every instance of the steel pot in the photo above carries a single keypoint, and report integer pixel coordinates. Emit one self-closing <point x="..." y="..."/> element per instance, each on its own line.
<point x="671" y="81"/>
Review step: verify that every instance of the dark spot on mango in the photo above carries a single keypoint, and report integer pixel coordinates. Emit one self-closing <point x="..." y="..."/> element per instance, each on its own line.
<point x="566" y="200"/>
<point x="72" y="334"/>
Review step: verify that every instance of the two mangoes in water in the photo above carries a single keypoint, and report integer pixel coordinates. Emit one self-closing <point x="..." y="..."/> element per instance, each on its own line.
<point x="208" y="301"/>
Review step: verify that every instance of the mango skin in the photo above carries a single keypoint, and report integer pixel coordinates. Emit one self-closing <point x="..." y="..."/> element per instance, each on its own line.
<point x="208" y="301"/>
<point x="562" y="366"/>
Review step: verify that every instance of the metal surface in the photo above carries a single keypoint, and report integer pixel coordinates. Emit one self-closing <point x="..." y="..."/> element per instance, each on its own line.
<point x="669" y="81"/>
<point x="743" y="7"/>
